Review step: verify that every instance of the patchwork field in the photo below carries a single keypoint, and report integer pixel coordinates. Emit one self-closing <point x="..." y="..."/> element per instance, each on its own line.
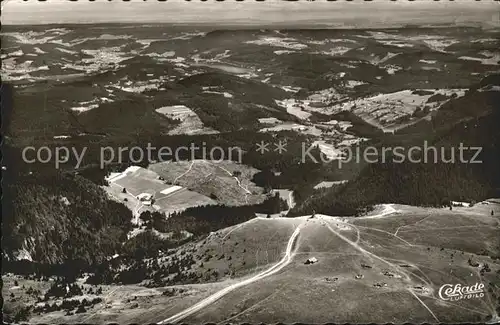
<point x="393" y="111"/>
<point x="167" y="198"/>
<point x="190" y="123"/>
<point x="388" y="112"/>
<point x="226" y="182"/>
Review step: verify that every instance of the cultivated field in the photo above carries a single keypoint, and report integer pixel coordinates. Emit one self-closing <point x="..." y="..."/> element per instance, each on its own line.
<point x="190" y="122"/>
<point x="168" y="198"/>
<point x="216" y="180"/>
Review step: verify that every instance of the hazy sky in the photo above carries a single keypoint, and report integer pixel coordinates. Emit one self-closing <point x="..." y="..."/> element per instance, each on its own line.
<point x="252" y="13"/>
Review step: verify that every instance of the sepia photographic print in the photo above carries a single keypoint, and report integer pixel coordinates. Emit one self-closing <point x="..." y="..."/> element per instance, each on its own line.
<point x="230" y="162"/>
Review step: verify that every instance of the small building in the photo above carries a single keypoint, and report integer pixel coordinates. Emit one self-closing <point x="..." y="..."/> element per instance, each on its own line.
<point x="389" y="274"/>
<point x="64" y="200"/>
<point x="380" y="284"/>
<point x="144" y="197"/>
<point x="311" y="260"/>
<point x="460" y="204"/>
<point x="300" y="128"/>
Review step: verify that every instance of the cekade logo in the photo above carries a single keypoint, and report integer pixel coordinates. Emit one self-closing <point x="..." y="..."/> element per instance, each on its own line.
<point x="458" y="292"/>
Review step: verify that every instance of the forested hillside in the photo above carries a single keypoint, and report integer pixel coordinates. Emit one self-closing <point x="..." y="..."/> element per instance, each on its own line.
<point x="202" y="220"/>
<point x="55" y="218"/>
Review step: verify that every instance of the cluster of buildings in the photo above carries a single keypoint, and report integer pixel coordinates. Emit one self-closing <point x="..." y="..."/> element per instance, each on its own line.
<point x="145" y="198"/>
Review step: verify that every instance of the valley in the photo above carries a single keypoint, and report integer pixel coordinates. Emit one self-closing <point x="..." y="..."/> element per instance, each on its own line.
<point x="255" y="233"/>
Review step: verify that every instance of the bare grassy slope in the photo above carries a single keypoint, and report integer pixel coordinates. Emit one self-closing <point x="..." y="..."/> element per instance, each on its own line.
<point x="392" y="270"/>
<point x="386" y="267"/>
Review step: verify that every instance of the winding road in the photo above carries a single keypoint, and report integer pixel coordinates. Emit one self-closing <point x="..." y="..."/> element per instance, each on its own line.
<point x="216" y="296"/>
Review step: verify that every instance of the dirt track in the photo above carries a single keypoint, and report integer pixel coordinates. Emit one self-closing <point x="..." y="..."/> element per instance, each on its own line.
<point x="216" y="296"/>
